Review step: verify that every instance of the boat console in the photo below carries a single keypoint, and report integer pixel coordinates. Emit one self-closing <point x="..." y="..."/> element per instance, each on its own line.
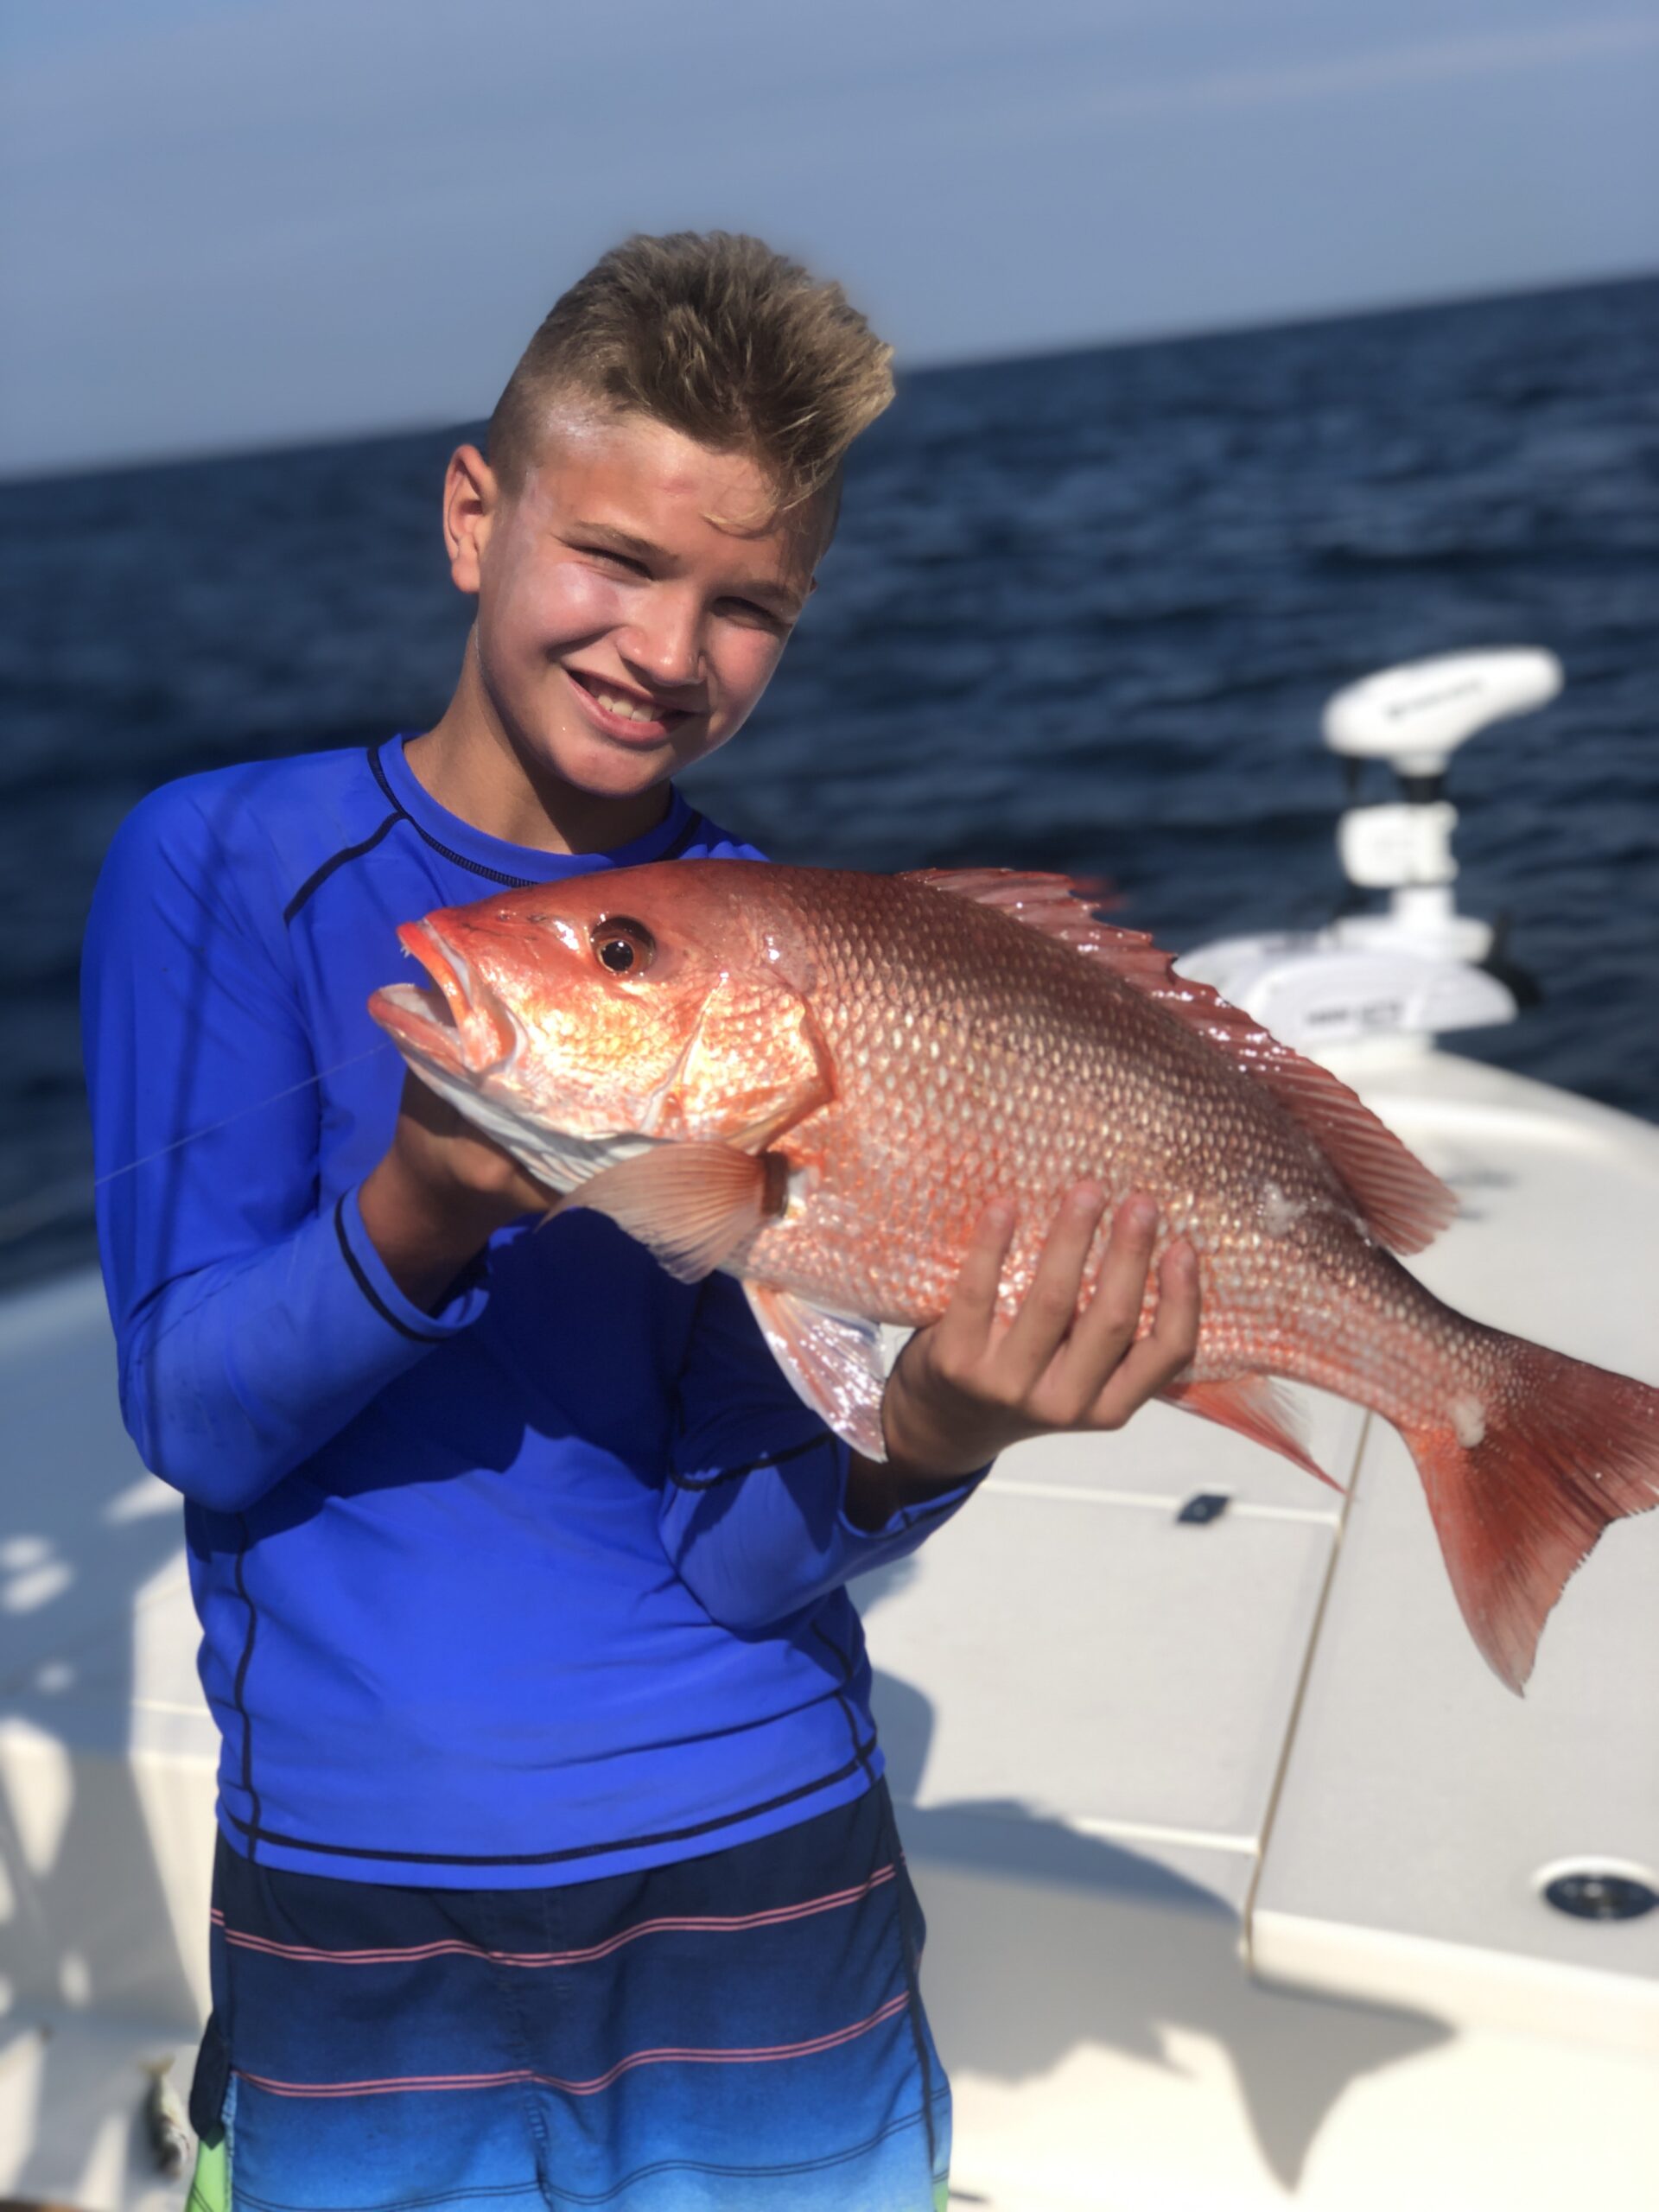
<point x="1417" y="968"/>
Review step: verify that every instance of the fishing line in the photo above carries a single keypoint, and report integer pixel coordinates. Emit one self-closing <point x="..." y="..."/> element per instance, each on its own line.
<point x="258" y="1105"/>
<point x="59" y="1200"/>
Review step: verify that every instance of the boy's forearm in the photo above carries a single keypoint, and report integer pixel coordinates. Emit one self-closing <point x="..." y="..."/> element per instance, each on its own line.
<point x="236" y="1373"/>
<point x="877" y="1489"/>
<point x="425" y="1238"/>
<point x="759" y="1542"/>
<point x="439" y="1195"/>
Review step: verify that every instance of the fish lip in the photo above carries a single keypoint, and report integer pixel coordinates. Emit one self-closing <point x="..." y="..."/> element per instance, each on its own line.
<point x="482" y="1037"/>
<point x="405" y="1011"/>
<point x="442" y="963"/>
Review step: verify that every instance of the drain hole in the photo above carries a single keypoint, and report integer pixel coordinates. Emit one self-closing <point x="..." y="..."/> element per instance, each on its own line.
<point x="1207" y="1505"/>
<point x="1599" y="1893"/>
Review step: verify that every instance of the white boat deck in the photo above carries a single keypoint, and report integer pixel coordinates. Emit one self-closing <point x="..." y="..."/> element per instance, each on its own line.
<point x="1406" y="1853"/>
<point x="1136" y="1759"/>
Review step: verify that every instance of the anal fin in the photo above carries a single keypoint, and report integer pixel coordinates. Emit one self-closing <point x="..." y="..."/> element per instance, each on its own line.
<point x="835" y="1363"/>
<point x="1251" y="1405"/>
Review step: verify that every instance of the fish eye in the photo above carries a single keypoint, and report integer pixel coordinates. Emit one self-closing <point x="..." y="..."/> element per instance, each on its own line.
<point x="623" y="945"/>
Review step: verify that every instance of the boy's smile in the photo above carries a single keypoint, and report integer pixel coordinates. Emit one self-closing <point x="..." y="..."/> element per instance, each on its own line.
<point x="636" y="717"/>
<point x="634" y="599"/>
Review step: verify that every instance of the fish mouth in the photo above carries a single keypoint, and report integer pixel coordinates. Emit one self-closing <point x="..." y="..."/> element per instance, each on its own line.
<point x="449" y="1024"/>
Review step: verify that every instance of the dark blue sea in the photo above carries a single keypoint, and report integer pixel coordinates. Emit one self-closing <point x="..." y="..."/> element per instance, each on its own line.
<point x="1081" y="614"/>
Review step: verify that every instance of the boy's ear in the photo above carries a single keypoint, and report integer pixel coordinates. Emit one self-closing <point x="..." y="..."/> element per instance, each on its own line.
<point x="471" y="498"/>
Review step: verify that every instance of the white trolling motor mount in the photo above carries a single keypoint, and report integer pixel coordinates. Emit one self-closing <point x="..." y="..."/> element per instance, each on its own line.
<point x="1418" y="967"/>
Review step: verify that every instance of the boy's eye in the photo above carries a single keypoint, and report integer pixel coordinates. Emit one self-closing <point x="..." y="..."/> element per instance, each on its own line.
<point x="615" y="560"/>
<point x="623" y="945"/>
<point x="747" y="611"/>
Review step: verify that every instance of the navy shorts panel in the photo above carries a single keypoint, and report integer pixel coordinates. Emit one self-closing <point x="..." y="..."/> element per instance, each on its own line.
<point x="733" y="2033"/>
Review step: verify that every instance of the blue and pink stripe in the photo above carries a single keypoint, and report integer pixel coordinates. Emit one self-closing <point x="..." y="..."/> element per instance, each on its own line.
<point x="734" y="2033"/>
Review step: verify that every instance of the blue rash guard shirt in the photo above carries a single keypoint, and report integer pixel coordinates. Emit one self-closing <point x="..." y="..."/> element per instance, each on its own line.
<point x="547" y="1585"/>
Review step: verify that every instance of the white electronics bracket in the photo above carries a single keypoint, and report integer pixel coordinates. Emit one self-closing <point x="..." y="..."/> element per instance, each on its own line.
<point x="1412" y="970"/>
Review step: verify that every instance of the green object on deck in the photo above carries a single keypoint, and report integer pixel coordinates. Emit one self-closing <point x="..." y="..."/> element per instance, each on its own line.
<point x="210" y="2185"/>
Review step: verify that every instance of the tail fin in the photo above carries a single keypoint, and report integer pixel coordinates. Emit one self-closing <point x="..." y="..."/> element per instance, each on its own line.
<point x="1523" y="1478"/>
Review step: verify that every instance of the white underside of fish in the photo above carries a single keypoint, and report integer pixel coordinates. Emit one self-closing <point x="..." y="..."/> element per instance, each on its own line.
<point x="552" y="1156"/>
<point x="838" y="1363"/>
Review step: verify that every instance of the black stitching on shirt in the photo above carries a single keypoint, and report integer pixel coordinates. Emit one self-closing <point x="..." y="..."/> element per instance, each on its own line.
<point x="459" y="860"/>
<point x="750" y="1466"/>
<point x="418" y="1336"/>
<point x="319" y="876"/>
<point x="571" y="1850"/>
<point x="687" y="836"/>
<point x="843" y="1660"/>
<point x="237" y="1698"/>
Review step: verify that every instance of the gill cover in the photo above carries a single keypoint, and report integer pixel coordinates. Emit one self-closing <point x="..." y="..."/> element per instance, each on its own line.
<point x="754" y="1066"/>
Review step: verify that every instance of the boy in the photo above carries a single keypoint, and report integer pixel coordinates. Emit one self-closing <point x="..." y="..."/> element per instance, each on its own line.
<point x="555" y="1866"/>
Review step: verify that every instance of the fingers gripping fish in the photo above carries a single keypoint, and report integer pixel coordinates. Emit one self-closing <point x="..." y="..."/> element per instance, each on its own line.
<point x="816" y="1080"/>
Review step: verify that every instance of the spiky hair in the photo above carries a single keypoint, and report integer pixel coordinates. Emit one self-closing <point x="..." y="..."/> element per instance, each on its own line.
<point x="715" y="334"/>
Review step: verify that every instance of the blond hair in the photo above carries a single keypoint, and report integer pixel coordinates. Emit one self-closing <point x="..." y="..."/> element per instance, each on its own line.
<point x="717" y="336"/>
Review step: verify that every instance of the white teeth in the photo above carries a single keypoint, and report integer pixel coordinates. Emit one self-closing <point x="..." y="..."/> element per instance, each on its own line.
<point x="627" y="708"/>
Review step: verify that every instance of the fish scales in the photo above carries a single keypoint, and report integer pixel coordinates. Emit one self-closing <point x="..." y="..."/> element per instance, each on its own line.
<point x="1032" y="1070"/>
<point x="817" y="1080"/>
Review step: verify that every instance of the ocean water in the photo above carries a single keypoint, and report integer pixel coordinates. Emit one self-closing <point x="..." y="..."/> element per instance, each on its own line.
<point x="1081" y="614"/>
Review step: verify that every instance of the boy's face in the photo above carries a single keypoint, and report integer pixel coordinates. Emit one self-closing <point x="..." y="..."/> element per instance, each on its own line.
<point x="622" y="634"/>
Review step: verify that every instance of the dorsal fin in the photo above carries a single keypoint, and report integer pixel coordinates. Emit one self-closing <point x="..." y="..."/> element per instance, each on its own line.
<point x="1405" y="1205"/>
<point x="1051" y="903"/>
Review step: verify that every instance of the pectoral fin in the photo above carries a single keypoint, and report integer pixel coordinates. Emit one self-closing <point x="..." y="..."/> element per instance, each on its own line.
<point x="691" y="1206"/>
<point x="834" y="1362"/>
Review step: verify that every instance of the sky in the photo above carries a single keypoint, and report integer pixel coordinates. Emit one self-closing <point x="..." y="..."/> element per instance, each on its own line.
<point x="232" y="223"/>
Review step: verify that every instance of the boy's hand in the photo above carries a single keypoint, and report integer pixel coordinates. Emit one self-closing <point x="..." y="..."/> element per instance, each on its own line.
<point x="973" y="1383"/>
<point x="440" y="1193"/>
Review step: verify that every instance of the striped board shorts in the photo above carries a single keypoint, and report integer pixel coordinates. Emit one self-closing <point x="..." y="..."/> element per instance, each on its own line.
<point x="741" y="2032"/>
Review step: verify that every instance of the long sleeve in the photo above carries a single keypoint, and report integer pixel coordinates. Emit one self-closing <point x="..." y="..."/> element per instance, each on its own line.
<point x="753" y="1517"/>
<point x="252" y="1320"/>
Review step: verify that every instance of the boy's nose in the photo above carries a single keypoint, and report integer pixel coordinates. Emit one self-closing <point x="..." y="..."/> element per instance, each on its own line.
<point x="665" y="647"/>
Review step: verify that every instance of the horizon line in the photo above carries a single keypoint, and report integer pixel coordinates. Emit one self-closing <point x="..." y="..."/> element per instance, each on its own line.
<point x="133" y="462"/>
